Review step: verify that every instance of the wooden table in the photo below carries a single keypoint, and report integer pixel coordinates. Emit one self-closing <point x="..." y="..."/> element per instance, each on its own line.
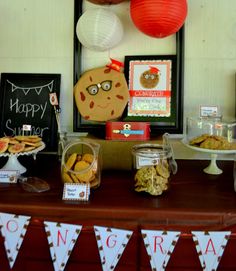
<point x="195" y="201"/>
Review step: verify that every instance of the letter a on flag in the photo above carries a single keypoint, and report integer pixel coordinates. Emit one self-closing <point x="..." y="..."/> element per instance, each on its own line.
<point x="159" y="246"/>
<point x="13" y="229"/>
<point x="111" y="244"/>
<point x="210" y="247"/>
<point x="61" y="240"/>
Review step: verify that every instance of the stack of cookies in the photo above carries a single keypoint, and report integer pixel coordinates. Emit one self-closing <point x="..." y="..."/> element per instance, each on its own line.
<point x="19" y="144"/>
<point x="153" y="179"/>
<point x="212" y="142"/>
<point x="81" y="168"/>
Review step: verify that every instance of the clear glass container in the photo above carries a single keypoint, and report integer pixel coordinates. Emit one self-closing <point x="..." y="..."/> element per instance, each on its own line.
<point x="152" y="170"/>
<point x="81" y="163"/>
<point x="211" y="133"/>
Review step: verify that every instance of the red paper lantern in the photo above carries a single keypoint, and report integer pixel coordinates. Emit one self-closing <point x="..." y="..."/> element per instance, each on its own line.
<point x="158" y="18"/>
<point x="105" y="2"/>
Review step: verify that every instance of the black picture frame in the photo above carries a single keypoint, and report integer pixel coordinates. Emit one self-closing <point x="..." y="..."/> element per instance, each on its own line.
<point x="25" y="100"/>
<point x="163" y="95"/>
<point x="158" y="126"/>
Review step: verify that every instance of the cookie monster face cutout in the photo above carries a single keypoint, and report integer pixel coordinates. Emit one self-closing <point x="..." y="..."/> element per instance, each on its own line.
<point x="101" y="94"/>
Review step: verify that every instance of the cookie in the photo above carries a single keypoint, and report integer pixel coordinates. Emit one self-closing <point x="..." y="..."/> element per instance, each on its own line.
<point x="16" y="148"/>
<point x="198" y="139"/>
<point x="71" y="161"/>
<point x="162" y="169"/>
<point x="66" y="178"/>
<point x="74" y="178"/>
<point x="85" y="176"/>
<point x="150" y="78"/>
<point x="211" y="143"/>
<point x="88" y="157"/>
<point x="101" y="94"/>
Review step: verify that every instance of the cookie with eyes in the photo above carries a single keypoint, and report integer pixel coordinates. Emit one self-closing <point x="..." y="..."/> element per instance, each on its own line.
<point x="101" y="94"/>
<point x="150" y="78"/>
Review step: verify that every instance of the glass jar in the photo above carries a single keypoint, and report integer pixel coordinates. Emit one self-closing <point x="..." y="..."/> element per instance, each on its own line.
<point x="81" y="163"/>
<point x="151" y="168"/>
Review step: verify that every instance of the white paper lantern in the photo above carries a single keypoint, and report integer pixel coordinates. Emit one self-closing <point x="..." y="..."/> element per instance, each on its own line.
<point x="99" y="29"/>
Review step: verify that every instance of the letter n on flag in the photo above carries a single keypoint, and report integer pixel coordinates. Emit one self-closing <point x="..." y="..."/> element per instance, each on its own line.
<point x="159" y="246"/>
<point x="210" y="247"/>
<point x="13" y="229"/>
<point x="111" y="245"/>
<point x="61" y="239"/>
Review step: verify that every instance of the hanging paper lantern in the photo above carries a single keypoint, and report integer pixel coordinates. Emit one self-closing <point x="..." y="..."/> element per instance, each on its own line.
<point x="105" y="2"/>
<point x="99" y="29"/>
<point x="158" y="18"/>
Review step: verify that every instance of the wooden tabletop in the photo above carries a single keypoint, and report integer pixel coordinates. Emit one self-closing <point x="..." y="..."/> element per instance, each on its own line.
<point x="194" y="197"/>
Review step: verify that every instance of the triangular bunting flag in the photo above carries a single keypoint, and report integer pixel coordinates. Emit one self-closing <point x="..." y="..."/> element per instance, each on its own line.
<point x="50" y="86"/>
<point x="159" y="246"/>
<point x="61" y="240"/>
<point x="38" y="90"/>
<point x="13" y="229"/>
<point x="210" y="247"/>
<point x="111" y="244"/>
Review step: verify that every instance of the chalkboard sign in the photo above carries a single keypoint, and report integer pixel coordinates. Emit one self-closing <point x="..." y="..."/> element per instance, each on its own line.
<point x="25" y="101"/>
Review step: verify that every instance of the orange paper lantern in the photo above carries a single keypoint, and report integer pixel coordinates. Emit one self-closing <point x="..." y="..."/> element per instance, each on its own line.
<point x="105" y="2"/>
<point x="158" y="18"/>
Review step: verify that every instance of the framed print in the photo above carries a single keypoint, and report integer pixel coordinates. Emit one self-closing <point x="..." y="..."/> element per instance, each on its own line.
<point x="154" y="92"/>
<point x="150" y="86"/>
<point x="25" y="101"/>
<point x="161" y="105"/>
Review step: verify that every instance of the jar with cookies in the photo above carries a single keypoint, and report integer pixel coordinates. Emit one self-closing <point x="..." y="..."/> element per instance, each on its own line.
<point x="81" y="163"/>
<point x="151" y="168"/>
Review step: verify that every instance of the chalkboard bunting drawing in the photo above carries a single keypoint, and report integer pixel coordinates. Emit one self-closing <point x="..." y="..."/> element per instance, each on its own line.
<point x="25" y="100"/>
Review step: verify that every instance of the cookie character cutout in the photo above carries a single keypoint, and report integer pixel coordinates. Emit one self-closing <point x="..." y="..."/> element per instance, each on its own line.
<point x="150" y="78"/>
<point x="101" y="94"/>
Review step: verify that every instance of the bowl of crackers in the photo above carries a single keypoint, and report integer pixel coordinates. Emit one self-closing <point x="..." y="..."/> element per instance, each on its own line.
<point x="81" y="163"/>
<point x="151" y="166"/>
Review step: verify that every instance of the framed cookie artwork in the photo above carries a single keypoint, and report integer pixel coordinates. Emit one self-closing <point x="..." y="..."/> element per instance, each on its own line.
<point x="155" y="95"/>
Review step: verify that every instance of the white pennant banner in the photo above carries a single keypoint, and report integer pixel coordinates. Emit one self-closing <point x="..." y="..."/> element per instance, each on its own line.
<point x="159" y="246"/>
<point x="111" y="244"/>
<point x="210" y="247"/>
<point x="61" y="239"/>
<point x="13" y="229"/>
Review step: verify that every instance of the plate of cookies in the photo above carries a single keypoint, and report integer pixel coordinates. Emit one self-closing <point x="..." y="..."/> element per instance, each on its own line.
<point x="14" y="146"/>
<point x="211" y="144"/>
<point x="214" y="145"/>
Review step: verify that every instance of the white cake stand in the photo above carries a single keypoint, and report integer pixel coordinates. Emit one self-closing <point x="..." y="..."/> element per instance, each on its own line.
<point x="212" y="167"/>
<point x="13" y="162"/>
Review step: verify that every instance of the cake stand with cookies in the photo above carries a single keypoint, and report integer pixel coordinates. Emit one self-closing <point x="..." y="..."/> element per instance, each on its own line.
<point x="213" y="136"/>
<point x="15" y="146"/>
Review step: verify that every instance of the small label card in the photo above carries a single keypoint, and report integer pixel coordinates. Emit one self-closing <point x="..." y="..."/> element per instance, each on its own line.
<point x="9" y="176"/>
<point x="74" y="191"/>
<point x="209" y="111"/>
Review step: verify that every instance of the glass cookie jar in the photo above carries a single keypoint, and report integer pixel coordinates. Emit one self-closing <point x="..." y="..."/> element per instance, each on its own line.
<point x="151" y="165"/>
<point x="81" y="163"/>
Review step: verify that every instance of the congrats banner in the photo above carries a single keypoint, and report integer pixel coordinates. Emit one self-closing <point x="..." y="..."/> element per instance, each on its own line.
<point x="159" y="246"/>
<point x="13" y="229"/>
<point x="61" y="240"/>
<point x="112" y="242"/>
<point x="210" y="247"/>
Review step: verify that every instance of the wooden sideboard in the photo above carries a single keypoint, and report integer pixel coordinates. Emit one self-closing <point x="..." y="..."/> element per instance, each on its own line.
<point x="195" y="201"/>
